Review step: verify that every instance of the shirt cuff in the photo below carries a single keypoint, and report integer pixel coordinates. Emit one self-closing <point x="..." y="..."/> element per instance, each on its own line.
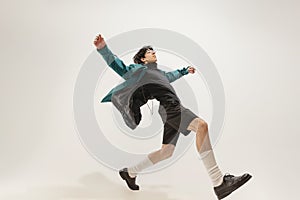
<point x="184" y="71"/>
<point x="104" y="50"/>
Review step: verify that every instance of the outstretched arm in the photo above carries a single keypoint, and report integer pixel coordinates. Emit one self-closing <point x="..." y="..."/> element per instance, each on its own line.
<point x="112" y="61"/>
<point x="174" y="75"/>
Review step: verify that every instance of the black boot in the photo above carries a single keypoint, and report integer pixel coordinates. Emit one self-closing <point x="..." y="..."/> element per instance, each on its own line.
<point x="230" y="183"/>
<point x="130" y="181"/>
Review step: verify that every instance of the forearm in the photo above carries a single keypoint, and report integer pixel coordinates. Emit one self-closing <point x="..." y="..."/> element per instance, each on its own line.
<point x="107" y="55"/>
<point x="174" y="75"/>
<point x="113" y="61"/>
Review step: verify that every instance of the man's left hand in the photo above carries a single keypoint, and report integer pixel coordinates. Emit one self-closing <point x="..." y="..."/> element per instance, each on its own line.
<point x="191" y="69"/>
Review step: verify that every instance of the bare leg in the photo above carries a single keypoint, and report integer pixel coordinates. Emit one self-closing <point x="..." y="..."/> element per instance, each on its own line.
<point x="200" y="127"/>
<point x="165" y="152"/>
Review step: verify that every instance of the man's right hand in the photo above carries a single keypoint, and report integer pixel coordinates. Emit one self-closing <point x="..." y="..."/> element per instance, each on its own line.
<point x="99" y="42"/>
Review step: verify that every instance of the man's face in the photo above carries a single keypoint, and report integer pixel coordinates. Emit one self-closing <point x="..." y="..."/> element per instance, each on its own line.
<point x="150" y="57"/>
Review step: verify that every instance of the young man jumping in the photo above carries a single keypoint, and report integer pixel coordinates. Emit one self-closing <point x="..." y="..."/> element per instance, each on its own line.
<point x="144" y="81"/>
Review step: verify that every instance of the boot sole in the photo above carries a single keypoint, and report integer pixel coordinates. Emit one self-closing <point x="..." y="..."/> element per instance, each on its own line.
<point x="236" y="186"/>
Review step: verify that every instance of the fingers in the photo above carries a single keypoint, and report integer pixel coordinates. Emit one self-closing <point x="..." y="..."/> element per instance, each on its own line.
<point x="191" y="69"/>
<point x="98" y="38"/>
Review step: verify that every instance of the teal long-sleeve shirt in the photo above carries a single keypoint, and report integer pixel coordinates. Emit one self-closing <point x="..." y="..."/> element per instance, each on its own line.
<point x="126" y="72"/>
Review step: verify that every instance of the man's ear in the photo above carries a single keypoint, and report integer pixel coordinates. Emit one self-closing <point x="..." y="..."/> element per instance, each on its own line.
<point x="143" y="59"/>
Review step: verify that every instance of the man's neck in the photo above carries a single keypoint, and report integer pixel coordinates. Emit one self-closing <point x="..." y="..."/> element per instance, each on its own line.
<point x="151" y="65"/>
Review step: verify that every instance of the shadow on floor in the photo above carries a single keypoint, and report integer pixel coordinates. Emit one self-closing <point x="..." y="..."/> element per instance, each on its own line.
<point x="94" y="186"/>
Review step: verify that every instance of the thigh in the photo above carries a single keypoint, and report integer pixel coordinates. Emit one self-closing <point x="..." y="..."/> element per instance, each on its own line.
<point x="170" y="135"/>
<point x="188" y="121"/>
<point x="193" y="126"/>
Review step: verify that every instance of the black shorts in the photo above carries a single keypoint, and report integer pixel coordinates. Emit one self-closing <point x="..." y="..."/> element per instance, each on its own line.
<point x="176" y="118"/>
<point x="170" y="134"/>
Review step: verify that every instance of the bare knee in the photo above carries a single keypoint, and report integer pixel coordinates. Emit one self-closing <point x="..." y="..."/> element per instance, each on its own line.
<point x="202" y="126"/>
<point x="167" y="151"/>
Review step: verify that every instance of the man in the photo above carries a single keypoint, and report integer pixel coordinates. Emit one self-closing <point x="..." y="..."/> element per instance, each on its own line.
<point x="144" y="81"/>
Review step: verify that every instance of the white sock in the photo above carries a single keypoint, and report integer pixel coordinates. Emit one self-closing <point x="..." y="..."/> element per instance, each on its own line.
<point x="133" y="171"/>
<point x="212" y="168"/>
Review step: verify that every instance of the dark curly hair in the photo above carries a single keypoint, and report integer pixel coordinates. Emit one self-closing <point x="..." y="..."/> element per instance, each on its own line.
<point x="141" y="54"/>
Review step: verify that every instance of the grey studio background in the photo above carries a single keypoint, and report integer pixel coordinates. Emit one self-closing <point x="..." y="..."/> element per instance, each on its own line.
<point x="253" y="44"/>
